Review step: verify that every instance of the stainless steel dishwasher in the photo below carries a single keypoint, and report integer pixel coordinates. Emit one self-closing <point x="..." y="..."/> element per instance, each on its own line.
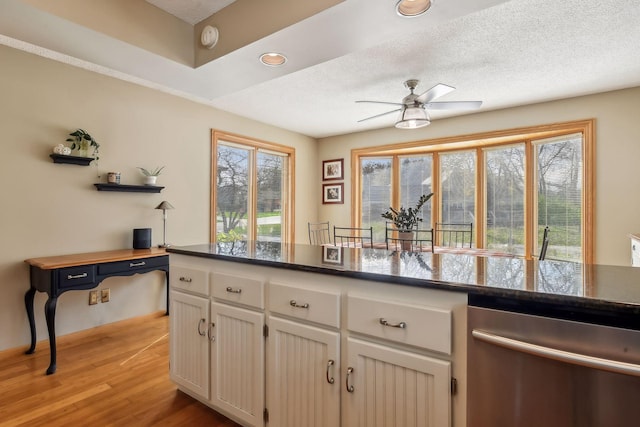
<point x="533" y="370"/>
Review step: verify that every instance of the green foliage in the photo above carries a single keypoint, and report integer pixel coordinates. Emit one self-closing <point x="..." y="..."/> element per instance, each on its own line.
<point x="82" y="140"/>
<point x="151" y="172"/>
<point x="231" y="236"/>
<point x="406" y="219"/>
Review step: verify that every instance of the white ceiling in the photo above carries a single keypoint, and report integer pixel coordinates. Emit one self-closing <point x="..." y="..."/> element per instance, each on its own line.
<point x="504" y="53"/>
<point x="191" y="11"/>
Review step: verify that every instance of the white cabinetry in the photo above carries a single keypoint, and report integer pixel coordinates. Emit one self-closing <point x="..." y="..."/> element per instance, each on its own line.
<point x="397" y="385"/>
<point x="237" y="347"/>
<point x="338" y="351"/>
<point x="303" y="370"/>
<point x="189" y="322"/>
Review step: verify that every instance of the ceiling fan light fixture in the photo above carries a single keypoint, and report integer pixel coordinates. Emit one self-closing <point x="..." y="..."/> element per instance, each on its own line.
<point x="413" y="118"/>
<point x="273" y="59"/>
<point x="412" y="8"/>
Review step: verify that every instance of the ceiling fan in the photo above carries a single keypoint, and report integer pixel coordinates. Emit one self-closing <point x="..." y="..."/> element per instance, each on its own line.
<point x="413" y="108"/>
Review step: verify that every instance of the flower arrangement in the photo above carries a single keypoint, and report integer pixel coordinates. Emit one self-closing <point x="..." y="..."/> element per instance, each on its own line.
<point x="406" y="219"/>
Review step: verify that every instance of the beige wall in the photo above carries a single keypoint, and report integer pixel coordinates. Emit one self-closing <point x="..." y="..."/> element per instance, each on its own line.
<point x="617" y="156"/>
<point x="51" y="209"/>
<point x="133" y="21"/>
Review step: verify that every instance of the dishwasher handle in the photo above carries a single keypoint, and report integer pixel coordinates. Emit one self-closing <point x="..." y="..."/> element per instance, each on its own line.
<point x="560" y="355"/>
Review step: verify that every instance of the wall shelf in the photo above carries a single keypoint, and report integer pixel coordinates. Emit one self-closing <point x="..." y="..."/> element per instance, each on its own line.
<point x="129" y="188"/>
<point x="71" y="160"/>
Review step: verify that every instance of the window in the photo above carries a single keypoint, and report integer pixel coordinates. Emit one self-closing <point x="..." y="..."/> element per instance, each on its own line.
<point x="505" y="198"/>
<point x="509" y="184"/>
<point x="250" y="190"/>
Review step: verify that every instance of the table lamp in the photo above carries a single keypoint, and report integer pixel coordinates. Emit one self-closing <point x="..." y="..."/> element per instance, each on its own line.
<point x="164" y="206"/>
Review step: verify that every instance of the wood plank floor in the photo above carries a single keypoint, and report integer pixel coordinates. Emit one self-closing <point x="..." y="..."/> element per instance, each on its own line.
<point x="113" y="375"/>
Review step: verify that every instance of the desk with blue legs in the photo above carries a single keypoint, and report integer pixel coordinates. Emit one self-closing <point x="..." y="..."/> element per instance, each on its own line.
<point x="58" y="274"/>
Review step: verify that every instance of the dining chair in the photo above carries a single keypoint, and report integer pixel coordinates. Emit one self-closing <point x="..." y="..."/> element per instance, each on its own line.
<point x="353" y="237"/>
<point x="545" y="243"/>
<point x="455" y="235"/>
<point x="319" y="233"/>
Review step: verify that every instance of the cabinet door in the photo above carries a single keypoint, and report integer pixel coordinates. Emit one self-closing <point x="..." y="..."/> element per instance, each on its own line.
<point x="188" y="342"/>
<point x="303" y="375"/>
<point x="237" y="363"/>
<point x="394" y="388"/>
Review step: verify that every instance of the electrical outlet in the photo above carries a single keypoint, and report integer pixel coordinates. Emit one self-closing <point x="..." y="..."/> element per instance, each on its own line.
<point x="105" y="295"/>
<point x="93" y="297"/>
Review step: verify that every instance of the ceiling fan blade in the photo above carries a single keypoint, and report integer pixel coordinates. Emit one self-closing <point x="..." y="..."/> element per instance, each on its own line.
<point x="381" y="102"/>
<point x="453" y="105"/>
<point x="435" y="92"/>
<point x="380" y="115"/>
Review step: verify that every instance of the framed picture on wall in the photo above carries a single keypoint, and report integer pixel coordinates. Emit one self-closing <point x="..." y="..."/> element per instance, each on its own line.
<point x="332" y="169"/>
<point x="332" y="255"/>
<point x="332" y="193"/>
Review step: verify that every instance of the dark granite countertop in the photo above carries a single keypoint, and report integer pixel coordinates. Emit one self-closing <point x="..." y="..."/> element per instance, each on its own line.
<point x="613" y="292"/>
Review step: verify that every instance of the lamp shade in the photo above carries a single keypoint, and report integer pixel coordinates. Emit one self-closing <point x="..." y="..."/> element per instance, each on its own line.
<point x="413" y="118"/>
<point x="164" y="205"/>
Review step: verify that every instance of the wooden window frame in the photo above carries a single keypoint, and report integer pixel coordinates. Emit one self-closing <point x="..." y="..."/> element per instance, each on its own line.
<point x="478" y="141"/>
<point x="253" y="144"/>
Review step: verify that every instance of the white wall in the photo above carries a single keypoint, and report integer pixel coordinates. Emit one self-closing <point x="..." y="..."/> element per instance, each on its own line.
<point x="617" y="156"/>
<point x="53" y="209"/>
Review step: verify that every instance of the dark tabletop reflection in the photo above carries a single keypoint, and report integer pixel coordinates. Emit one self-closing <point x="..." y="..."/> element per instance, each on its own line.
<point x="607" y="283"/>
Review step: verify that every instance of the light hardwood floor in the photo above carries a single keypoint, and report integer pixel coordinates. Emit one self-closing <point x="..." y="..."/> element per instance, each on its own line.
<point x="113" y="375"/>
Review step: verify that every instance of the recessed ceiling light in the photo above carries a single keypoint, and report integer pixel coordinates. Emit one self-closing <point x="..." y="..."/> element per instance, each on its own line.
<point x="273" y="59"/>
<point x="412" y="8"/>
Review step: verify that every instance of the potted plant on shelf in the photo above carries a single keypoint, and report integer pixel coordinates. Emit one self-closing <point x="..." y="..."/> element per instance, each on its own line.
<point x="151" y="175"/>
<point x="82" y="141"/>
<point x="406" y="220"/>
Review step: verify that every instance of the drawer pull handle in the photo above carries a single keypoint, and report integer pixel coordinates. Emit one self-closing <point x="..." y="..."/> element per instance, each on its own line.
<point x="400" y="325"/>
<point x="137" y="264"/>
<point x="330" y="363"/>
<point x="212" y="337"/>
<point x="185" y="279"/>
<point x="77" y="276"/>
<point x="293" y="303"/>
<point x="234" y="291"/>
<point x="200" y="331"/>
<point x="349" y="387"/>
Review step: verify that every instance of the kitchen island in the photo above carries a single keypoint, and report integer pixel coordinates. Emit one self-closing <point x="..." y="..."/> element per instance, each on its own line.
<point x="337" y="323"/>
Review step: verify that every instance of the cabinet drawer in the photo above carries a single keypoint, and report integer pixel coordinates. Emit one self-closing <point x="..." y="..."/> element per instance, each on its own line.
<point x="312" y="305"/>
<point x="419" y="326"/>
<point x="189" y="279"/>
<point x="132" y="265"/>
<point x="76" y="276"/>
<point x="241" y="290"/>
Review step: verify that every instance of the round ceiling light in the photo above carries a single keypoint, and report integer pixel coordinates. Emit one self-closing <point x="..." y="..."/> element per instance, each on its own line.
<point x="273" y="59"/>
<point x="412" y="8"/>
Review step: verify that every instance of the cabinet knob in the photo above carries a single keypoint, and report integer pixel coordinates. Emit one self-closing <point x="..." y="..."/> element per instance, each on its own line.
<point x="400" y="325"/>
<point x="234" y="291"/>
<point x="330" y="363"/>
<point x="200" y="331"/>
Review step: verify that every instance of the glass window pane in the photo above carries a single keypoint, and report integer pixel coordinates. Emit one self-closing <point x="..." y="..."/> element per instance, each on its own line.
<point x="232" y="194"/>
<point x="457" y="187"/>
<point x="415" y="180"/>
<point x="270" y="171"/>
<point x="504" y="180"/>
<point x="559" y="181"/>
<point x="376" y="194"/>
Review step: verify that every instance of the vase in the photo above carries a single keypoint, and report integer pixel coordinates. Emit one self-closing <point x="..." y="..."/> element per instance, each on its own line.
<point x="406" y="239"/>
<point x="150" y="180"/>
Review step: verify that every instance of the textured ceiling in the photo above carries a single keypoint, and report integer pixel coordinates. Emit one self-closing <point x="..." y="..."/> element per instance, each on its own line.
<point x="504" y="53"/>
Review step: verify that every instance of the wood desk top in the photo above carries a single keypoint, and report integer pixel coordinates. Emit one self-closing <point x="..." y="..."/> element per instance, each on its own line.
<point x="60" y="261"/>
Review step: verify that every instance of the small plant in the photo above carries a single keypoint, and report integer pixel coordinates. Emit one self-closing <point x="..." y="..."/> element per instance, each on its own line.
<point x="82" y="141"/>
<point x="151" y="172"/>
<point x="406" y="219"/>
